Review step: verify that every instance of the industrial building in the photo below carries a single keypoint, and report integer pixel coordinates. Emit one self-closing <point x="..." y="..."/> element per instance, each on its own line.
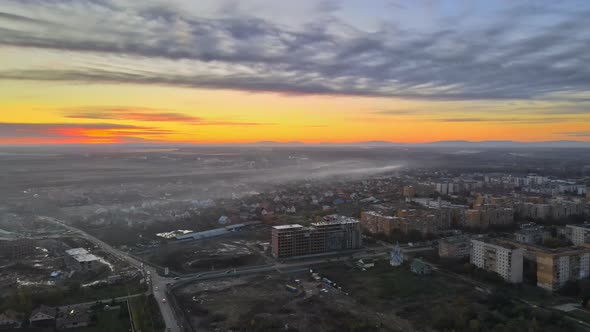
<point x="501" y="258"/>
<point x="332" y="233"/>
<point x="80" y="259"/>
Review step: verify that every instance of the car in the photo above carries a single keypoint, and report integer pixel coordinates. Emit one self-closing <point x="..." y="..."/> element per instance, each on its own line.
<point x="163" y="300"/>
<point x="157" y="288"/>
<point x="198" y="275"/>
<point x="176" y="278"/>
<point x="228" y="272"/>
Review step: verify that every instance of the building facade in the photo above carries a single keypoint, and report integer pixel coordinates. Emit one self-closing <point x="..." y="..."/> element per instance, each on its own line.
<point x="454" y="247"/>
<point x="555" y="269"/>
<point x="332" y="233"/>
<point x="578" y="234"/>
<point x="531" y="235"/>
<point x="81" y="260"/>
<point x="502" y="259"/>
<point x="17" y="249"/>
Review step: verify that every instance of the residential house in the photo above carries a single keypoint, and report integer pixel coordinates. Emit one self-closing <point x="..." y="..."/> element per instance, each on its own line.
<point x="11" y="319"/>
<point x="43" y="316"/>
<point x="420" y="267"/>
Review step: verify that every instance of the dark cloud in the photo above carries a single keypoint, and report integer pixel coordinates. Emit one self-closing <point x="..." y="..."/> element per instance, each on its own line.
<point x="502" y="60"/>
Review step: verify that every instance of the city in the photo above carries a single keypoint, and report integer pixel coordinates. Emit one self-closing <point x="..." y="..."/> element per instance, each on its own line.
<point x="265" y="253"/>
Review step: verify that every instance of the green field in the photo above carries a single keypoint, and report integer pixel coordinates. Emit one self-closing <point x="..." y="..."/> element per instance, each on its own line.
<point x="111" y="320"/>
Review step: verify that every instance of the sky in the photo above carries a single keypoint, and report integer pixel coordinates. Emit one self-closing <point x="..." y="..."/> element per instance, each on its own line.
<point x="312" y="71"/>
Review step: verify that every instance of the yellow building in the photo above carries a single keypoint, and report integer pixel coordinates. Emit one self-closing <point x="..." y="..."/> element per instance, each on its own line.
<point x="409" y="191"/>
<point x="555" y="269"/>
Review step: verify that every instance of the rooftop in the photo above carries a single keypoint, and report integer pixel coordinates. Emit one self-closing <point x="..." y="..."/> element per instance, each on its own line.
<point x="287" y="226"/>
<point x="580" y="226"/>
<point x="336" y="220"/>
<point x="81" y="255"/>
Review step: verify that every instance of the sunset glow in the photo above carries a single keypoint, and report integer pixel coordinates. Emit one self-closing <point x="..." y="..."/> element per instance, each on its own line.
<point x="96" y="72"/>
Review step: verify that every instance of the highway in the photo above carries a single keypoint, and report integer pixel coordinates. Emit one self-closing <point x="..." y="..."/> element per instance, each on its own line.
<point x="158" y="283"/>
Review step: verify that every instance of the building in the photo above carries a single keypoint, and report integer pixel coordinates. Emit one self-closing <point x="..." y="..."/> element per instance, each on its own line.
<point x="534" y="235"/>
<point x="409" y="191"/>
<point x="332" y="233"/>
<point x="454" y="247"/>
<point x="43" y="316"/>
<point x="578" y="234"/>
<point x="80" y="259"/>
<point x="17" y="249"/>
<point x="11" y="319"/>
<point x="420" y="267"/>
<point x="473" y="219"/>
<point x="501" y="258"/>
<point x="73" y="317"/>
<point x="556" y="267"/>
<point x="375" y="223"/>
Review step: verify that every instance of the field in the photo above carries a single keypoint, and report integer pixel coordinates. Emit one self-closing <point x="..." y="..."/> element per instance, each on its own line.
<point x="382" y="298"/>
<point x="111" y="320"/>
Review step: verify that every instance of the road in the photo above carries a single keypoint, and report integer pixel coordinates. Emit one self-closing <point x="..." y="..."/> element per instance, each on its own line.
<point x="158" y="283"/>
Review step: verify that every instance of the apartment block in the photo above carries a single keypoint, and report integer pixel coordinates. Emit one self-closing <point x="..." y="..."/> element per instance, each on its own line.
<point x="531" y="235"/>
<point x="556" y="268"/>
<point x="578" y="234"/>
<point x="376" y="223"/>
<point x="332" y="233"/>
<point x="500" y="258"/>
<point x="454" y="247"/>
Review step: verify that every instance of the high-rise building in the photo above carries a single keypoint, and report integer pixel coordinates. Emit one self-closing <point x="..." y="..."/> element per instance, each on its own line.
<point x="555" y="268"/>
<point x="501" y="258"/>
<point x="332" y="233"/>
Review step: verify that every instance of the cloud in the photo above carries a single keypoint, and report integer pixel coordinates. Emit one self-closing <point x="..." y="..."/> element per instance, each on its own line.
<point x="57" y="133"/>
<point x="148" y="115"/>
<point x="396" y="112"/>
<point x="130" y="114"/>
<point x="502" y="58"/>
<point x="506" y="120"/>
<point x="576" y="133"/>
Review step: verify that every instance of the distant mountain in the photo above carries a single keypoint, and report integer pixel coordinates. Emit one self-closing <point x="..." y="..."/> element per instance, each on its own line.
<point x="272" y="143"/>
<point x="509" y="144"/>
<point x="377" y="143"/>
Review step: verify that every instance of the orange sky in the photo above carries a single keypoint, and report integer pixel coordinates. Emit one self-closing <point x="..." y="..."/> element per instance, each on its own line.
<point x="38" y="113"/>
<point x="182" y="71"/>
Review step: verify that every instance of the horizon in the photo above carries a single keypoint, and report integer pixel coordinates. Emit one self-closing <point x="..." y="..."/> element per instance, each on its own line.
<point x="315" y="72"/>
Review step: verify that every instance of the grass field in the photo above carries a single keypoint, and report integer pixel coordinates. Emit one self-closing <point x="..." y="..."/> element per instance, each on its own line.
<point x="110" y="320"/>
